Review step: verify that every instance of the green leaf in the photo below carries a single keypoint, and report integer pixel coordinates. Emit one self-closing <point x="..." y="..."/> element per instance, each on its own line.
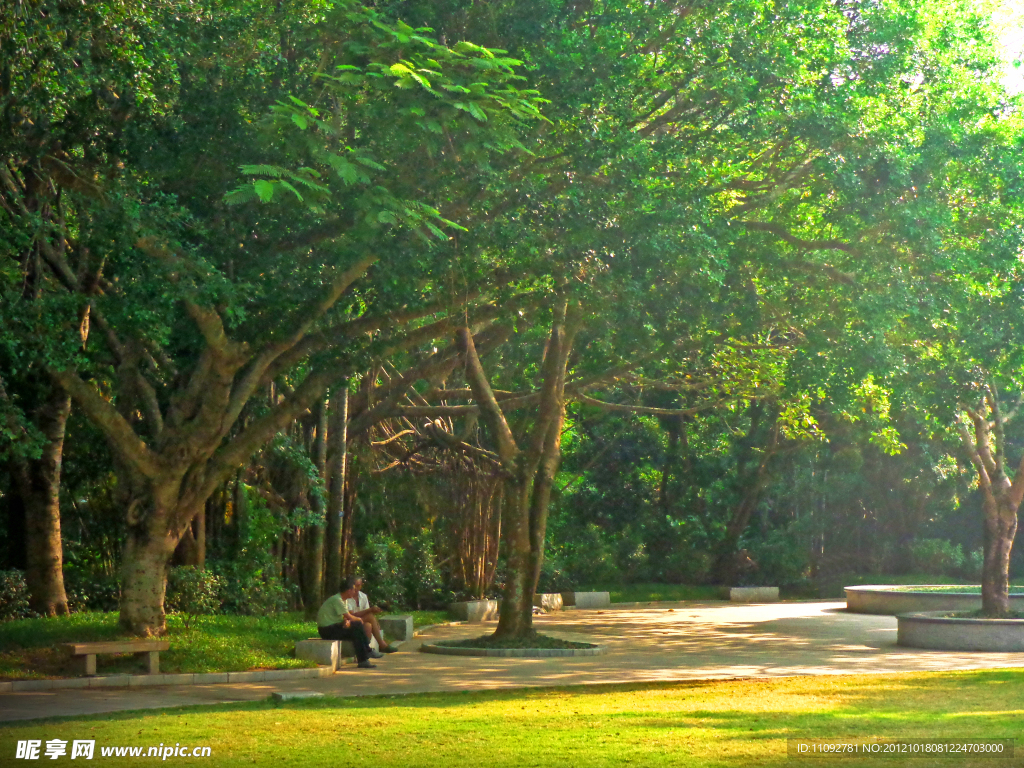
<point x="264" y="189"/>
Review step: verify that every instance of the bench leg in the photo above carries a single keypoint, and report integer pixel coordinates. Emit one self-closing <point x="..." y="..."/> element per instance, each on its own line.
<point x="152" y="659"/>
<point x="86" y="664"/>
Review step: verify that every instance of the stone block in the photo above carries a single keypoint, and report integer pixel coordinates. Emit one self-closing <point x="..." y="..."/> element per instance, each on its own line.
<point x="754" y="594"/>
<point x="109" y="681"/>
<point x="549" y="601"/>
<point x="34" y="685"/>
<point x="254" y="676"/>
<point x="294" y="695"/>
<point x="396" y="627"/>
<point x="202" y="678"/>
<point x="323" y="652"/>
<point x="588" y="601"/>
<point x="177" y="679"/>
<point x="474" y="610"/>
<point x="72" y="682"/>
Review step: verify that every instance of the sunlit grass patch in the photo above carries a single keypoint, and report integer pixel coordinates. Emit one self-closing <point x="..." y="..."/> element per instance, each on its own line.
<point x="728" y="723"/>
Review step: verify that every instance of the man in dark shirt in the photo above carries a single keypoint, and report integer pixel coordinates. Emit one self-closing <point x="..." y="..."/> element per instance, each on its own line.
<point x="334" y="622"/>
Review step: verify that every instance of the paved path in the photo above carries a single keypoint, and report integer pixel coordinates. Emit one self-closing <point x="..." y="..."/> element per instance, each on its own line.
<point x="689" y="641"/>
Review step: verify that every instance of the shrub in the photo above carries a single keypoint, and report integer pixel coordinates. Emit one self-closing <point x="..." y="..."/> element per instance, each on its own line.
<point x="937" y="556"/>
<point x="193" y="592"/>
<point x="383" y="559"/>
<point x="14" y="596"/>
<point x="88" y="590"/>
<point x="424" y="588"/>
<point x="250" y="589"/>
<point x="782" y="560"/>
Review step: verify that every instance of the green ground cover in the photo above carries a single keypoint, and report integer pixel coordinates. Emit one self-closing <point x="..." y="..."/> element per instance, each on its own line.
<point x="28" y="647"/>
<point x="728" y="723"/>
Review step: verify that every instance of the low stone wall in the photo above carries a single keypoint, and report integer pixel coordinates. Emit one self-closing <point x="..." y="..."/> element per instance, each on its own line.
<point x="889" y="600"/>
<point x="933" y="631"/>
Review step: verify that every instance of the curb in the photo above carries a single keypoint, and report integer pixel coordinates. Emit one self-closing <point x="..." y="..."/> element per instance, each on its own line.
<point x="138" y="681"/>
<point x="514" y="653"/>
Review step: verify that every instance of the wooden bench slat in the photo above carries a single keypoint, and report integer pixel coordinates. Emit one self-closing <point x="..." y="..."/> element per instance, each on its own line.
<point x="128" y="646"/>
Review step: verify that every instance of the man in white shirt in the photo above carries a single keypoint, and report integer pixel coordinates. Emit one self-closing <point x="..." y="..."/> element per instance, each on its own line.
<point x="359" y="606"/>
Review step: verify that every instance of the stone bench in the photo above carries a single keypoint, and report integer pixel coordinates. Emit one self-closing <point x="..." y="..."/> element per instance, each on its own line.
<point x="396" y="627"/>
<point x="84" y="654"/>
<point x="324" y="652"/>
<point x="587" y="601"/>
<point x="754" y="594"/>
<point x="549" y="601"/>
<point x="474" y="610"/>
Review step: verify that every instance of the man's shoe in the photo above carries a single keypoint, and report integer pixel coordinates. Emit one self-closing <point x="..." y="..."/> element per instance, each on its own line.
<point x="388" y="649"/>
<point x="376" y="654"/>
<point x="366" y="665"/>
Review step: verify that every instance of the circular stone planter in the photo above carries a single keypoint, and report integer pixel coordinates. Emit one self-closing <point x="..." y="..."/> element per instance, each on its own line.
<point x="935" y="631"/>
<point x="513" y="653"/>
<point x="888" y="599"/>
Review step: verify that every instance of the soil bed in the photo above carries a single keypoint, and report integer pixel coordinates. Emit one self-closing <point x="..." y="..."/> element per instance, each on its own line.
<point x="489" y="641"/>
<point x="514" y="647"/>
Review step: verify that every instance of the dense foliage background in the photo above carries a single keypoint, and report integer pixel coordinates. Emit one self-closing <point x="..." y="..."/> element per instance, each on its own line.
<point x="471" y="295"/>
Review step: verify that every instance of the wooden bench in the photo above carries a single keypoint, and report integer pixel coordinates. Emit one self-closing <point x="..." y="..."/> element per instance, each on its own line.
<point x="84" y="654"/>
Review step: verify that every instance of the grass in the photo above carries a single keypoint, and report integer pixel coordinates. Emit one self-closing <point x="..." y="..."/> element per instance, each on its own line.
<point x="29" y="647"/>
<point x="489" y="641"/>
<point x="729" y="723"/>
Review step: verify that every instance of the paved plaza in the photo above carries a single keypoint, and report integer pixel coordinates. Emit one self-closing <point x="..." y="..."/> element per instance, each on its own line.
<point x="667" y="642"/>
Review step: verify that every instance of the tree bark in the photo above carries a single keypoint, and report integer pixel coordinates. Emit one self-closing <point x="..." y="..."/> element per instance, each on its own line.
<point x="313" y="571"/>
<point x="337" y="436"/>
<point x="147" y="554"/>
<point x="1001" y="497"/>
<point x="1000" y="529"/>
<point x="38" y="482"/>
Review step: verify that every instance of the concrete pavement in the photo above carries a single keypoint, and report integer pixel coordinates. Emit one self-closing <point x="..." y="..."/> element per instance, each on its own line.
<point x="679" y="641"/>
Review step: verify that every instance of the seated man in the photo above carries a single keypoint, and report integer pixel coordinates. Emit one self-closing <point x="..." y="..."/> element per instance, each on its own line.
<point x="334" y="622"/>
<point x="360" y="607"/>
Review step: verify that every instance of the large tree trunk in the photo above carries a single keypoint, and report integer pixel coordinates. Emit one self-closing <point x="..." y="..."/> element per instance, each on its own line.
<point x="515" y="617"/>
<point x="1000" y="529"/>
<point x="38" y="482"/>
<point x="147" y="554"/>
<point x="1001" y="498"/>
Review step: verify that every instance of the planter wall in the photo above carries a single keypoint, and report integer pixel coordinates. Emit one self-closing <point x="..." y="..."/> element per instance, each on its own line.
<point x="934" y="631"/>
<point x="889" y="600"/>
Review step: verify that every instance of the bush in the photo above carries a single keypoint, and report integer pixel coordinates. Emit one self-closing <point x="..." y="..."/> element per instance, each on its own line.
<point x="781" y="560"/>
<point x="14" y="596"/>
<point x="937" y="557"/>
<point x="974" y="563"/>
<point x="91" y="591"/>
<point x="250" y="589"/>
<point x="424" y="588"/>
<point x="383" y="559"/>
<point x="193" y="592"/>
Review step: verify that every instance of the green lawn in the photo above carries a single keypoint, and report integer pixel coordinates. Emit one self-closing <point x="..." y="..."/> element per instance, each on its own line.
<point x="733" y="723"/>
<point x="28" y="648"/>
